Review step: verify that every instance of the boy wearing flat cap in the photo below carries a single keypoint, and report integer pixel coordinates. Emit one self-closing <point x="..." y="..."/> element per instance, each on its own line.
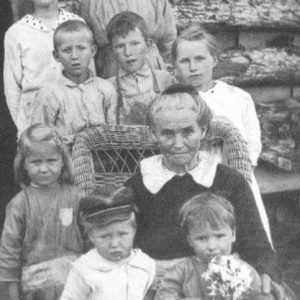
<point x="112" y="269"/>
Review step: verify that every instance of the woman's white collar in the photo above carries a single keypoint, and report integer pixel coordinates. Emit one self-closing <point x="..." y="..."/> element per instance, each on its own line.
<point x="155" y="175"/>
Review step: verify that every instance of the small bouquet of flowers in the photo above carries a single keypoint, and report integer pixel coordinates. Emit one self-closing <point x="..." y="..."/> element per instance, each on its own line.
<point x="227" y="278"/>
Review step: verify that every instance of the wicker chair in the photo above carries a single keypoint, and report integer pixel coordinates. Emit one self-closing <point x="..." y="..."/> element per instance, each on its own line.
<point x="106" y="156"/>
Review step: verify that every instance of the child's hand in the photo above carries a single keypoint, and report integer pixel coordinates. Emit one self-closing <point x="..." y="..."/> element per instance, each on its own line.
<point x="269" y="286"/>
<point x="266" y="284"/>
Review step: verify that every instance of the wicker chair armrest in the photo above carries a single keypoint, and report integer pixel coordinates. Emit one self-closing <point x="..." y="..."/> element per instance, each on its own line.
<point x="235" y="148"/>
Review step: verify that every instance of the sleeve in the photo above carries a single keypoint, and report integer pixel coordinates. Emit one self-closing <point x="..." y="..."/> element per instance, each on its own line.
<point x="45" y="110"/>
<point x="170" y="286"/>
<point x="252" y="241"/>
<point x="252" y="127"/>
<point x="152" y="274"/>
<point x="75" y="287"/>
<point x="111" y="104"/>
<point x="13" y="74"/>
<point x="168" y="32"/>
<point x="12" y="239"/>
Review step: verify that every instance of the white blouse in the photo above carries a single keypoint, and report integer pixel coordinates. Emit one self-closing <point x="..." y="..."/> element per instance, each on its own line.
<point x="235" y="105"/>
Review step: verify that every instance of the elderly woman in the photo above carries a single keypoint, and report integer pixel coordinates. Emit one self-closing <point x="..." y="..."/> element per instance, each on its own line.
<point x="179" y="120"/>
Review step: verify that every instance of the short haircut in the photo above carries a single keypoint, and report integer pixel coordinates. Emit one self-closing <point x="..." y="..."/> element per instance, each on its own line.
<point x="98" y="209"/>
<point x="71" y="26"/>
<point x="122" y="23"/>
<point x="29" y="140"/>
<point x="195" y="32"/>
<point x="171" y="99"/>
<point x="207" y="208"/>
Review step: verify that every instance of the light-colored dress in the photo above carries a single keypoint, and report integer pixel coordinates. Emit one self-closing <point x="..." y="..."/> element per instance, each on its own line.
<point x="72" y="107"/>
<point x="157" y="14"/>
<point x="93" y="277"/>
<point x="40" y="239"/>
<point x="28" y="64"/>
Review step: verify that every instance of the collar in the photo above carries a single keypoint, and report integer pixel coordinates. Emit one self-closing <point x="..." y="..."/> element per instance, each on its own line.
<point x="155" y="175"/>
<point x="143" y="71"/>
<point x="95" y="261"/>
<point x="217" y="84"/>
<point x="36" y="23"/>
<point x="68" y="82"/>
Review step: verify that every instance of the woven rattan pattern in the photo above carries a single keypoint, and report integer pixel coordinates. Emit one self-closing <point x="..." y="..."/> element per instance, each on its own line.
<point x="108" y="155"/>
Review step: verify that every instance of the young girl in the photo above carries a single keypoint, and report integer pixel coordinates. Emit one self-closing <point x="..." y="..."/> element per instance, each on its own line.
<point x="40" y="236"/>
<point x="195" y="56"/>
<point x="112" y="270"/>
<point x="28" y="60"/>
<point x="209" y="222"/>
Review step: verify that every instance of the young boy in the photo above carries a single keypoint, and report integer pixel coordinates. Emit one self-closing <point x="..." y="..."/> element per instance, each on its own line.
<point x="112" y="270"/>
<point x="136" y="81"/>
<point x="209" y="222"/>
<point x="77" y="99"/>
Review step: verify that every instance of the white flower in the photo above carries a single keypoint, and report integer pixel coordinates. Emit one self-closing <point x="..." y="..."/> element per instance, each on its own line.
<point x="226" y="276"/>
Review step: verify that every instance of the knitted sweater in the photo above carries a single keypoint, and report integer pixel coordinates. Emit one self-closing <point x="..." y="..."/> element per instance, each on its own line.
<point x="159" y="231"/>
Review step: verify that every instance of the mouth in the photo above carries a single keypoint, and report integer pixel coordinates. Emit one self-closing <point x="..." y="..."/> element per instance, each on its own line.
<point x="116" y="254"/>
<point x="130" y="61"/>
<point x="76" y="66"/>
<point x="195" y="76"/>
<point x="212" y="256"/>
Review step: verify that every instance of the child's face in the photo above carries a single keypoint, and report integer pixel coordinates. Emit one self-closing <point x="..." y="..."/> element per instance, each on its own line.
<point x="179" y="136"/>
<point x="130" y="51"/>
<point x="114" y="241"/>
<point x="44" y="165"/>
<point x="75" y="51"/>
<point x="210" y="242"/>
<point x="194" y="64"/>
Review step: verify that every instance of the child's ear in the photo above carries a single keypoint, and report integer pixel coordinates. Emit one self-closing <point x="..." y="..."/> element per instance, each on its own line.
<point x="233" y="235"/>
<point x="149" y="42"/>
<point x="189" y="240"/>
<point x="203" y="130"/>
<point x="94" y="49"/>
<point x="55" y="55"/>
<point x="215" y="60"/>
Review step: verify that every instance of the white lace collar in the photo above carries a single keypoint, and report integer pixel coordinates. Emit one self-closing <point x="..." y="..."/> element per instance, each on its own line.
<point x="34" y="22"/>
<point x="155" y="175"/>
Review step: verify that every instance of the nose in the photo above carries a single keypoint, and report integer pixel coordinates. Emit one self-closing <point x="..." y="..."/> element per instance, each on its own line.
<point x="128" y="50"/>
<point x="74" y="54"/>
<point x="44" y="167"/>
<point x="211" y="244"/>
<point x="178" y="141"/>
<point x="115" y="242"/>
<point x="193" y="66"/>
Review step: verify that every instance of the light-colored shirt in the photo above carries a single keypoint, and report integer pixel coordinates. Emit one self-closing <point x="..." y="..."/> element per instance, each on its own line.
<point x="29" y="63"/>
<point x="93" y="277"/>
<point x="137" y="90"/>
<point x="235" y="105"/>
<point x="72" y="107"/>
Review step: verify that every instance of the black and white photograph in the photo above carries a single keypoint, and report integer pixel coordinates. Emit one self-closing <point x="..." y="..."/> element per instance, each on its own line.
<point x="150" y="150"/>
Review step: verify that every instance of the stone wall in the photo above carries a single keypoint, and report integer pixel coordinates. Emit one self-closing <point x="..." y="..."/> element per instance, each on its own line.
<point x="260" y="52"/>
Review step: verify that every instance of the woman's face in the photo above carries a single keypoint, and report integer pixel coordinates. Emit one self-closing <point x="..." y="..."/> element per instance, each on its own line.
<point x="194" y="64"/>
<point x="179" y="136"/>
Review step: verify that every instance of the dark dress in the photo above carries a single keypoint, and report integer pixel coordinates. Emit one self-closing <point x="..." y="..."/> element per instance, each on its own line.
<point x="159" y="232"/>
